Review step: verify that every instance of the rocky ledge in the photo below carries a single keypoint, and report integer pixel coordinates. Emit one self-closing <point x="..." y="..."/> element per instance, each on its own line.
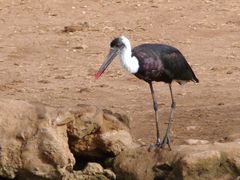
<point x="85" y="142"/>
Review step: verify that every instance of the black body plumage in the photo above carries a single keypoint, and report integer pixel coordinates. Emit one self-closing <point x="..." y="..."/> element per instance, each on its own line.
<point x="160" y="62"/>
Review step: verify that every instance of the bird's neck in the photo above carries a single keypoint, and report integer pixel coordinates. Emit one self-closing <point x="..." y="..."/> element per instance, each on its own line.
<point x="129" y="62"/>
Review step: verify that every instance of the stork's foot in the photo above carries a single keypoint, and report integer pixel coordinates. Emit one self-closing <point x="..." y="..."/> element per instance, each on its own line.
<point x="158" y="143"/>
<point x="166" y="141"/>
<point x="155" y="146"/>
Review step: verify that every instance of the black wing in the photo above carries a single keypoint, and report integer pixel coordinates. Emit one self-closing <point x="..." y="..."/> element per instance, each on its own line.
<point x="159" y="62"/>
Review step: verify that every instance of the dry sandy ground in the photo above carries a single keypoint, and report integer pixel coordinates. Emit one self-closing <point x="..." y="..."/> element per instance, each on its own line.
<point x="41" y="62"/>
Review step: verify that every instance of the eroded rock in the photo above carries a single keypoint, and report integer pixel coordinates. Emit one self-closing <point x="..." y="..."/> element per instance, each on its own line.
<point x="211" y="161"/>
<point x="31" y="145"/>
<point x="97" y="133"/>
<point x="135" y="164"/>
<point x="93" y="169"/>
<point x="109" y="174"/>
<point x="79" y="175"/>
<point x="39" y="142"/>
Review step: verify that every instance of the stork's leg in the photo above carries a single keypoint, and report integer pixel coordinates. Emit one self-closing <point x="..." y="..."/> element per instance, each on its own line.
<point x="166" y="139"/>
<point x="155" y="106"/>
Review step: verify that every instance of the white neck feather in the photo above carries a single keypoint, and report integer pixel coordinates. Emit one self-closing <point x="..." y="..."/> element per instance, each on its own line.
<point x="129" y="62"/>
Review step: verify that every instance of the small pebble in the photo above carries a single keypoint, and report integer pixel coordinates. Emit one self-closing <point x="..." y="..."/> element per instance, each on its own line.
<point x="189" y="128"/>
<point x="196" y="141"/>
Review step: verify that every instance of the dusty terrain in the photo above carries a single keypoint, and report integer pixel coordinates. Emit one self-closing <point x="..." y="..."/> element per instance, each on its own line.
<point x="39" y="61"/>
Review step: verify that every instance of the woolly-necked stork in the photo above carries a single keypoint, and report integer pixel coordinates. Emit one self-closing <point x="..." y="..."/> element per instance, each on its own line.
<point x="152" y="62"/>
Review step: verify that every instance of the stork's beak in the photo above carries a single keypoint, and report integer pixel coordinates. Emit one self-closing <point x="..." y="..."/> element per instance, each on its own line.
<point x="111" y="55"/>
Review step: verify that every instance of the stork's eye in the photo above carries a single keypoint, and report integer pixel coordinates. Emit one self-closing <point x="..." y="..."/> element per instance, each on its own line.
<point x="117" y="43"/>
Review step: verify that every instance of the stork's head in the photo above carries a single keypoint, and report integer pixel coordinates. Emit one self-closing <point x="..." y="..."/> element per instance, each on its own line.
<point x="116" y="46"/>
